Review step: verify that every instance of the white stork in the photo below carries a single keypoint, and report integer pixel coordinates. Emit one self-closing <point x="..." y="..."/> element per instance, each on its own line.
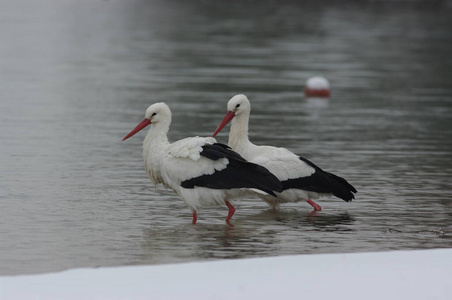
<point x="301" y="179"/>
<point x="202" y="172"/>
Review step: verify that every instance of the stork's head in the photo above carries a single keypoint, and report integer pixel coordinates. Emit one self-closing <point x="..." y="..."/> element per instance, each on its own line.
<point x="156" y="113"/>
<point x="239" y="104"/>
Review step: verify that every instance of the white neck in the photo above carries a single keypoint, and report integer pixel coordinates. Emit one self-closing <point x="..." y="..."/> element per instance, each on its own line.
<point x="238" y="135"/>
<point x="155" y="146"/>
<point x="155" y="137"/>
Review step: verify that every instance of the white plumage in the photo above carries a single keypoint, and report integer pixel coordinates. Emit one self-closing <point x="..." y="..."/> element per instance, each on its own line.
<point x="202" y="172"/>
<point x="301" y="179"/>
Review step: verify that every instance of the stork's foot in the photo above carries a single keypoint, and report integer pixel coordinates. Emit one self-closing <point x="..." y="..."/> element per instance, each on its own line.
<point x="315" y="205"/>
<point x="195" y="218"/>
<point x="230" y="225"/>
<point x="230" y="213"/>
<point x="313" y="213"/>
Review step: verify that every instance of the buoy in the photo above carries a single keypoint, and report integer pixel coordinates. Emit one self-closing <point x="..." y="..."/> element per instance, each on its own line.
<point x="317" y="87"/>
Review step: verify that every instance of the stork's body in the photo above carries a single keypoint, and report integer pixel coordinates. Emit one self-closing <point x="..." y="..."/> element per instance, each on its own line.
<point x="202" y="172"/>
<point x="301" y="179"/>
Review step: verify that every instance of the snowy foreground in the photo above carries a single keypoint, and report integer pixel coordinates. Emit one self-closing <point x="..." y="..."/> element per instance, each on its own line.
<point x="410" y="275"/>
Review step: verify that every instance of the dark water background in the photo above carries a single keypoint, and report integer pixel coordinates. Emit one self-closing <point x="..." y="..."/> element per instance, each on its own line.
<point x="76" y="76"/>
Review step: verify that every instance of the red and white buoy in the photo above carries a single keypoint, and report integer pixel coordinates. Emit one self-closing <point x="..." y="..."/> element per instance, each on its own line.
<point x="317" y="87"/>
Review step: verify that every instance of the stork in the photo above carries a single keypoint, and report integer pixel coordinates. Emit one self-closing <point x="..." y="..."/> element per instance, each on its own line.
<point x="301" y="179"/>
<point x="201" y="171"/>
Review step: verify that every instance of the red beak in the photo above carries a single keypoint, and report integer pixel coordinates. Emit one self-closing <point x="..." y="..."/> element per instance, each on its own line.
<point x="140" y="126"/>
<point x="227" y="118"/>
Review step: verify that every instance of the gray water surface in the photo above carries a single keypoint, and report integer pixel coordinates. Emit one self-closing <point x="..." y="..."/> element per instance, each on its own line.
<point x="76" y="76"/>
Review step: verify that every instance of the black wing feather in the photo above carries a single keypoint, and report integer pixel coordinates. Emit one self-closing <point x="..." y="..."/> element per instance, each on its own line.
<point x="322" y="182"/>
<point x="239" y="173"/>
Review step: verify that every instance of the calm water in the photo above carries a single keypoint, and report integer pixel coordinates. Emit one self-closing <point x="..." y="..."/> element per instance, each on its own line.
<point x="76" y="76"/>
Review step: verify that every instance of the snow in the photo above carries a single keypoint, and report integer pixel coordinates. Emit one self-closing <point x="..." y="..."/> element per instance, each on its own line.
<point x="421" y="274"/>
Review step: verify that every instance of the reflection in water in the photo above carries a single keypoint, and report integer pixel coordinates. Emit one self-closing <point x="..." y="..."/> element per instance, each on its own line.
<point x="76" y="75"/>
<point x="256" y="235"/>
<point x="301" y="219"/>
<point x="207" y="242"/>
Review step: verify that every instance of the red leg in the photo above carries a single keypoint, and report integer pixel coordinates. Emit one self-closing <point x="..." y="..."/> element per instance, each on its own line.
<point x="315" y="205"/>
<point x="195" y="217"/>
<point x="231" y="211"/>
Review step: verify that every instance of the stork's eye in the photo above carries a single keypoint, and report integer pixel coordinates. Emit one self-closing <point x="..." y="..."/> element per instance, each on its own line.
<point x="237" y="106"/>
<point x="153" y="114"/>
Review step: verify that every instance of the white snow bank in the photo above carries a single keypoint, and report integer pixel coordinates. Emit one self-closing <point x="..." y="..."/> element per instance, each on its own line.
<point x="387" y="275"/>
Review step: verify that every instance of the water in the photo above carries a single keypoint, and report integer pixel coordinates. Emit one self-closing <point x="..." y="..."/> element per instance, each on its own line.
<point x="76" y="76"/>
